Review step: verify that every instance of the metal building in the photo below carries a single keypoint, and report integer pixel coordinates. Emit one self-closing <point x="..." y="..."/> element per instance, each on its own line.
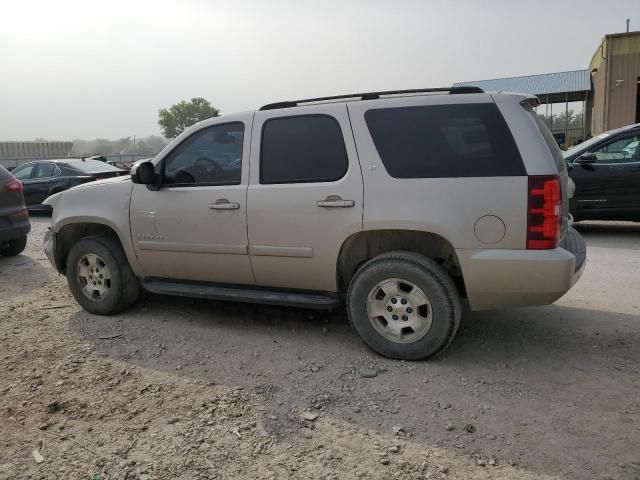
<point x="550" y="88"/>
<point x="609" y="89"/>
<point x="615" y="77"/>
<point x="13" y="154"/>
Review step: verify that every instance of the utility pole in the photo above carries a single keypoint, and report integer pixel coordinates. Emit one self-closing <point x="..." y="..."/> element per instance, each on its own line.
<point x="134" y="147"/>
<point x="628" y="20"/>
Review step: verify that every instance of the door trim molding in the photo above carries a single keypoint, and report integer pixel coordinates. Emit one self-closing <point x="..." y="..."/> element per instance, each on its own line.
<point x="277" y="251"/>
<point x="228" y="249"/>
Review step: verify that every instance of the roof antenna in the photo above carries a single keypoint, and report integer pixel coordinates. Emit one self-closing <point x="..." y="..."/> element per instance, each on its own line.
<point x="628" y="20"/>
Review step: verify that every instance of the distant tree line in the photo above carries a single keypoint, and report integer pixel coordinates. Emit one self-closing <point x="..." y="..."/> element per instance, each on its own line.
<point x="575" y="120"/>
<point x="173" y="121"/>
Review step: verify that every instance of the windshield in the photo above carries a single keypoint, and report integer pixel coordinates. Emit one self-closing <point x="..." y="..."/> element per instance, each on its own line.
<point x="94" y="166"/>
<point x="584" y="145"/>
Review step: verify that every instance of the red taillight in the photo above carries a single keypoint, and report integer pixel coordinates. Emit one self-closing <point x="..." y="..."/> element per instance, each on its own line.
<point x="544" y="212"/>
<point x="14" y="186"/>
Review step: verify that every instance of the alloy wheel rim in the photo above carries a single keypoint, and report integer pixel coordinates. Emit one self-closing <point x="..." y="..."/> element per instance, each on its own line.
<point x="399" y="310"/>
<point x="94" y="277"/>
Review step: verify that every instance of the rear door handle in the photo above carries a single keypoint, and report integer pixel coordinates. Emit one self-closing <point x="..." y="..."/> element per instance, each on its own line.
<point x="224" y="204"/>
<point x="335" y="201"/>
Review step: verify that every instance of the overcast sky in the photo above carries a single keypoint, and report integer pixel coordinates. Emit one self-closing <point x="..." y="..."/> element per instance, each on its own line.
<point x="87" y="69"/>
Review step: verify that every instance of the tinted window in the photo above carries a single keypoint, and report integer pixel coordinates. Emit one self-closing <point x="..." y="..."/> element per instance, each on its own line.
<point x="619" y="151"/>
<point x="93" y="166"/>
<point x="438" y="141"/>
<point x="45" y="170"/>
<point x="302" y="149"/>
<point x="23" y="171"/>
<point x="211" y="156"/>
<point x="584" y="146"/>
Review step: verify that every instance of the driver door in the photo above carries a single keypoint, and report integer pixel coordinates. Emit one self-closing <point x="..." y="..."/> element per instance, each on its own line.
<point x="194" y="227"/>
<point x="610" y="187"/>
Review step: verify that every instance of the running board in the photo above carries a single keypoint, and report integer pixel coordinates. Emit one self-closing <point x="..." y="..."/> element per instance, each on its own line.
<point x="248" y="294"/>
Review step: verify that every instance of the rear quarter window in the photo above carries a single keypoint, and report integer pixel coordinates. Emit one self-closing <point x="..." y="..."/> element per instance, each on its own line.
<point x="439" y="141"/>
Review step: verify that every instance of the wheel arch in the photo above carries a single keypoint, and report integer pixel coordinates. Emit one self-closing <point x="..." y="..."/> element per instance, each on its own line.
<point x="69" y="234"/>
<point x="363" y="246"/>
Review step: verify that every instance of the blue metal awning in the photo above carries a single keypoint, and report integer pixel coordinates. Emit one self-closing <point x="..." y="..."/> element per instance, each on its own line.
<point x="549" y="87"/>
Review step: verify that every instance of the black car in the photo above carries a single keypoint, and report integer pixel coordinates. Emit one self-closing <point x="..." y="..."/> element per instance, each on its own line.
<point x="606" y="172"/>
<point x="14" y="218"/>
<point x="43" y="178"/>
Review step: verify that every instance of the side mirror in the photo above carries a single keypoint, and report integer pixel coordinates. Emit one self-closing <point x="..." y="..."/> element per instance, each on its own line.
<point x="144" y="173"/>
<point x="586" y="158"/>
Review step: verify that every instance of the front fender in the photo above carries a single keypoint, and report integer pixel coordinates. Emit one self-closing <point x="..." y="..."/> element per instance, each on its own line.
<point x="104" y="204"/>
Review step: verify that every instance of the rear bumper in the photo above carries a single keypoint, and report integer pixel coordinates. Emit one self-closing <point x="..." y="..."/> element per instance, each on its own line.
<point x="497" y="278"/>
<point x="14" y="230"/>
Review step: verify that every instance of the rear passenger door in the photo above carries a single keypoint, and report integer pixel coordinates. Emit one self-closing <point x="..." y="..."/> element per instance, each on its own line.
<point x="305" y="195"/>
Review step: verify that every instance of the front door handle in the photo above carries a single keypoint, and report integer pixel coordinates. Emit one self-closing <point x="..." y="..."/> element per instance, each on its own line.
<point x="224" y="204"/>
<point x="335" y="201"/>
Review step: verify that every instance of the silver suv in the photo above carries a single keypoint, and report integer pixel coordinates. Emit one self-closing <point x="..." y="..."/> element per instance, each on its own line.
<point x="405" y="205"/>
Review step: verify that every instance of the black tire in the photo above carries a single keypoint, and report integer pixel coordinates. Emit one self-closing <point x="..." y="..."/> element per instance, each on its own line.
<point x="15" y="247"/>
<point x="124" y="285"/>
<point x="427" y="275"/>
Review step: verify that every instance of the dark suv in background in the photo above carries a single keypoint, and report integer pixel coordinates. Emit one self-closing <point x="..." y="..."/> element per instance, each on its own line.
<point x="14" y="218"/>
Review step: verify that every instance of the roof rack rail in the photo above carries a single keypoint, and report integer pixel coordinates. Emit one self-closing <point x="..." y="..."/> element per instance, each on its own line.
<point x="371" y="96"/>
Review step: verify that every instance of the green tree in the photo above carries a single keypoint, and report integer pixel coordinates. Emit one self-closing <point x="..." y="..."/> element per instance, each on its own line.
<point x="177" y="118"/>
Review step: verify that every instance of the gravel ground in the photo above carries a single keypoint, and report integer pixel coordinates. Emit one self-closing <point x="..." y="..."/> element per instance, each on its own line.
<point x="184" y="389"/>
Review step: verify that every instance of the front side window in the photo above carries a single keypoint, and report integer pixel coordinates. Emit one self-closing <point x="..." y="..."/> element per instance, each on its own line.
<point x="211" y="156"/>
<point x="619" y="151"/>
<point x="438" y="141"/>
<point x="23" y="172"/>
<point x="303" y="149"/>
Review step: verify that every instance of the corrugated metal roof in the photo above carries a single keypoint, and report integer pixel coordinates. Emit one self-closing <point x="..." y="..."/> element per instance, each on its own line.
<point x="540" y="85"/>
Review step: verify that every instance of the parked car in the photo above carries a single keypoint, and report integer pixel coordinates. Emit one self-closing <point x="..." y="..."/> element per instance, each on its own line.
<point x="43" y="178"/>
<point x="404" y="207"/>
<point x="14" y="218"/>
<point x="120" y="165"/>
<point x="114" y="163"/>
<point x="606" y="171"/>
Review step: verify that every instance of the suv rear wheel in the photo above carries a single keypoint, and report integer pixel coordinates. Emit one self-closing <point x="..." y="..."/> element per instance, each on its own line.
<point x="404" y="305"/>
<point x="14" y="247"/>
<point x="100" y="277"/>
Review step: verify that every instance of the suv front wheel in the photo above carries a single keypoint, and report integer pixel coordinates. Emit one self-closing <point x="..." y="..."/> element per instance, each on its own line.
<point x="404" y="305"/>
<point x="100" y="277"/>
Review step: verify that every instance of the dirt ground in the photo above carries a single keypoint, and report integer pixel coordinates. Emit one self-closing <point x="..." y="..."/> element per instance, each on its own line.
<point x="184" y="389"/>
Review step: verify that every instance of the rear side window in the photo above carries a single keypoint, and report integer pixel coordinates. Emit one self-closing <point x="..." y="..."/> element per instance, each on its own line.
<point x="302" y="149"/>
<point x="45" y="170"/>
<point x="438" y="141"/>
